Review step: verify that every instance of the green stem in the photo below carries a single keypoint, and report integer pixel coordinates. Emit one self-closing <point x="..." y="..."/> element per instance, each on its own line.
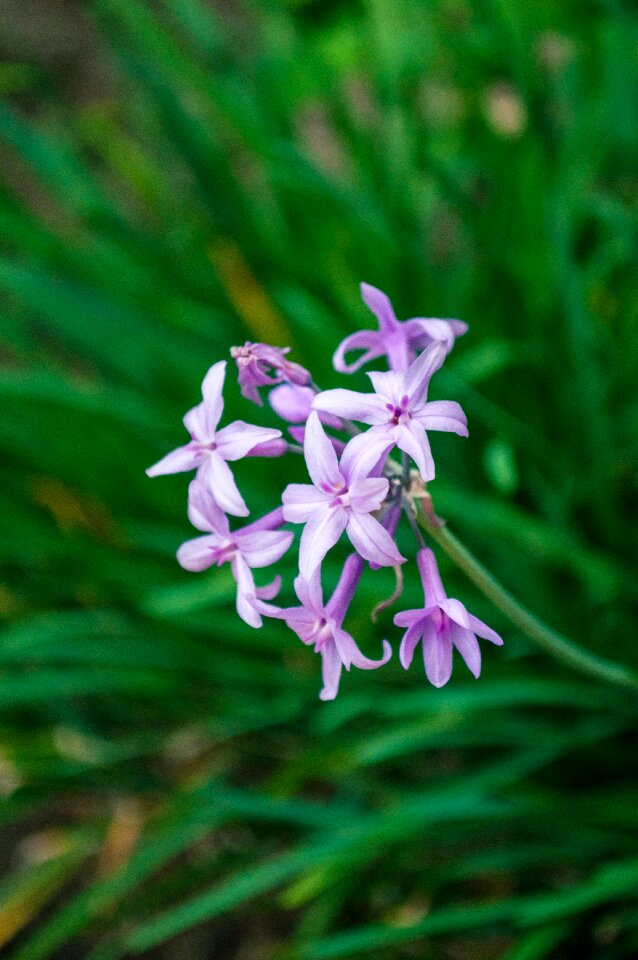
<point x="544" y="636"/>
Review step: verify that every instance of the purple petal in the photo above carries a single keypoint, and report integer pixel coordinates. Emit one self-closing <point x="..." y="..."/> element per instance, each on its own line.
<point x="456" y="612"/>
<point x="271" y="448"/>
<point x="321" y="458"/>
<point x="264" y="547"/>
<point x="425" y="330"/>
<point x="270" y="590"/>
<point x="319" y="535"/>
<point x="437" y="655"/>
<point x="196" y="422"/>
<point x="388" y="384"/>
<point x="301" y="502"/>
<point x="377" y="301"/>
<point x="291" y="403"/>
<point x="235" y="440"/>
<point x="338" y="604"/>
<point x="409" y="642"/>
<point x="366" y="407"/>
<point x="177" y="461"/>
<point x="419" y="373"/>
<point x="409" y="617"/>
<point x="482" y="630"/>
<point x="246" y="595"/>
<point x="368" y="494"/>
<point x="330" y="671"/>
<point x="467" y="645"/>
<point x="203" y="511"/>
<point x="430" y="578"/>
<point x="198" y="554"/>
<point x="443" y="415"/>
<point x="369" y="341"/>
<point x="351" y="655"/>
<point x="310" y="593"/>
<point x="218" y="477"/>
<point x="372" y="541"/>
<point x="412" y="438"/>
<point x="365" y="454"/>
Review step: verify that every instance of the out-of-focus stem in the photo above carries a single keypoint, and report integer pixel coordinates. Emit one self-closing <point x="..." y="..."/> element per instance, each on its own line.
<point x="559" y="646"/>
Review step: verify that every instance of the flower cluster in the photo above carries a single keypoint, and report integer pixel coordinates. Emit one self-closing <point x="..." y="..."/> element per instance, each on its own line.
<point x="356" y="489"/>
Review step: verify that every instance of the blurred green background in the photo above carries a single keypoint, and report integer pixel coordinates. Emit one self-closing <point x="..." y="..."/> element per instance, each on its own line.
<point x="176" y="177"/>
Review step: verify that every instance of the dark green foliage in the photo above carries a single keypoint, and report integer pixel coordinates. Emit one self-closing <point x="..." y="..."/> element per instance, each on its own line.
<point x="172" y="787"/>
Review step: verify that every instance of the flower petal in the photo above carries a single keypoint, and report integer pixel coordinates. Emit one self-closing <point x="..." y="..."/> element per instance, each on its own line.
<point x="320" y="456"/>
<point x="379" y="302"/>
<point x="204" y="512"/>
<point x="372" y="541"/>
<point x="437" y="655"/>
<point x="366" y="407"/>
<point x="350" y="653"/>
<point x="369" y="341"/>
<point x="406" y="618"/>
<point x="468" y="646"/>
<point x="455" y="611"/>
<point x="419" y="373"/>
<point x="270" y="590"/>
<point x="198" y="554"/>
<point x="425" y="330"/>
<point x="235" y="440"/>
<point x="365" y="454"/>
<point x="183" y="458"/>
<point x="412" y="438"/>
<point x="301" y="502"/>
<point x="310" y="592"/>
<point x="264" y="547"/>
<point x="330" y="671"/>
<point x="388" y="384"/>
<point x="443" y="415"/>
<point x="319" y="535"/>
<point x="291" y="403"/>
<point x="246" y="593"/>
<point x="409" y="642"/>
<point x="482" y="630"/>
<point x="368" y="494"/>
<point x="212" y="387"/>
<point x="218" y="477"/>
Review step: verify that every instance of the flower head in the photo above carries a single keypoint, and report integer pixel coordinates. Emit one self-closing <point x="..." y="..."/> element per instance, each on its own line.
<point x="398" y="410"/>
<point x="258" y="545"/>
<point x="209" y="449"/>
<point x="260" y="365"/>
<point x="441" y="625"/>
<point x="321" y="626"/>
<point x="397" y="340"/>
<point x="342" y="496"/>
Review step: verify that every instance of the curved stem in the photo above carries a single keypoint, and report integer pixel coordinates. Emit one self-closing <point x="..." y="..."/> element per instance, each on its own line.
<point x="544" y="636"/>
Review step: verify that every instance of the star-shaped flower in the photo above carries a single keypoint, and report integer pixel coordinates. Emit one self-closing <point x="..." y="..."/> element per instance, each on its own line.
<point x="321" y="626"/>
<point x="398" y="410"/>
<point x="441" y="625"/>
<point x="258" y="545"/>
<point x="209" y="448"/>
<point x="396" y="339"/>
<point x="341" y="497"/>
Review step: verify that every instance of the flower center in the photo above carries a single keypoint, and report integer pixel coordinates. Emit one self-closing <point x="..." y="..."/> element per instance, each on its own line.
<point x="399" y="413"/>
<point x="322" y="633"/>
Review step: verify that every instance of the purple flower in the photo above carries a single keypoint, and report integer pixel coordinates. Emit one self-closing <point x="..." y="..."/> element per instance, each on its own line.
<point x="209" y="448"/>
<point x="321" y="625"/>
<point x="260" y="365"/>
<point x="395" y="339"/>
<point x="442" y="624"/>
<point x="341" y="497"/>
<point x="398" y="411"/>
<point x="258" y="545"/>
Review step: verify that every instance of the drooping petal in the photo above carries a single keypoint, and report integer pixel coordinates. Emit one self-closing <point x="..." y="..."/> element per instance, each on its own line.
<point x="369" y="341"/>
<point x="351" y="655"/>
<point x="320" y="535"/>
<point x="372" y="541"/>
<point x="467" y="645"/>
<point x="379" y="302"/>
<point x="301" y="502"/>
<point x="218" y="476"/>
<point x="246" y="593"/>
<point x="270" y="590"/>
<point x="198" y="554"/>
<point x="320" y="457"/>
<point x="183" y="458"/>
<point x="410" y="640"/>
<point x="212" y="387"/>
<point x="419" y="373"/>
<point x="443" y="415"/>
<point x="264" y="547"/>
<point x="204" y="512"/>
<point x="482" y="630"/>
<point x="330" y="671"/>
<point x="368" y="494"/>
<point x="412" y="438"/>
<point x="291" y="403"/>
<point x="235" y="440"/>
<point x="437" y="654"/>
<point x="365" y="407"/>
<point x="406" y="618"/>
